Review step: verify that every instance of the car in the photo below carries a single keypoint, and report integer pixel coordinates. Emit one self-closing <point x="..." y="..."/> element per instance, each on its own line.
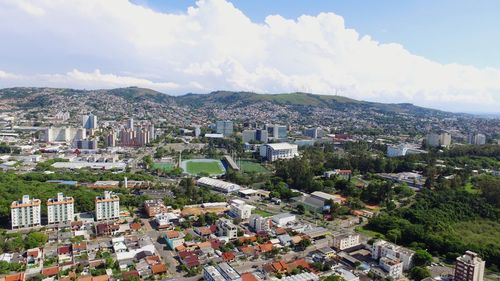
<point x="255" y="266"/>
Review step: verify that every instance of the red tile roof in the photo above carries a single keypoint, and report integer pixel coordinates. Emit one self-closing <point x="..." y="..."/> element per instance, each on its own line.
<point x="159" y="268"/>
<point x="135" y="226"/>
<point x="15" y="277"/>
<point x="228" y="256"/>
<point x="132" y="273"/>
<point x="172" y="234"/>
<point x="248" y="276"/>
<point x="50" y="271"/>
<point x="101" y="278"/>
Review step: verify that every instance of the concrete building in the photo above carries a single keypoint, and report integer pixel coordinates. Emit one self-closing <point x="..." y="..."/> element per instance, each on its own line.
<point x="277" y="132"/>
<point x="224" y="127"/>
<point x="313" y="133"/>
<point x="259" y="223"/>
<point x="249" y="136"/>
<point x="130" y="124"/>
<point x="89" y="121"/>
<point x="26" y="212"/>
<point x="107" y="207"/>
<point x="345" y="241"/>
<point x="381" y="248"/>
<point x="86" y="144"/>
<point x="221" y="272"/>
<point x="393" y="266"/>
<point x="469" y="267"/>
<point x="154" y="207"/>
<point x="218" y="185"/>
<point x="226" y="228"/>
<point x="210" y="273"/>
<point x="63" y="134"/>
<point x="443" y="139"/>
<point x="274" y="151"/>
<point x="60" y="209"/>
<point x="476" y="139"/>
<point x="261" y="135"/>
<point x="110" y="139"/>
<point x="283" y="219"/>
<point x="240" y="210"/>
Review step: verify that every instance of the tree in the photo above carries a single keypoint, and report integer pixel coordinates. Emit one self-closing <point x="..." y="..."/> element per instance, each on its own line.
<point x="422" y="258"/>
<point x="35" y="239"/>
<point x="418" y="273"/>
<point x="300" y="209"/>
<point x="334" y="278"/>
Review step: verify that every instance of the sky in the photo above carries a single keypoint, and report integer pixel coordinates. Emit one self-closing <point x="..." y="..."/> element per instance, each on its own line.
<point x="439" y="54"/>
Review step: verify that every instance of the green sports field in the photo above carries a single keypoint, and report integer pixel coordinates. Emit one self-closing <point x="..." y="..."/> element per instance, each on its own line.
<point x="203" y="166"/>
<point x="163" y="166"/>
<point x="251" y="167"/>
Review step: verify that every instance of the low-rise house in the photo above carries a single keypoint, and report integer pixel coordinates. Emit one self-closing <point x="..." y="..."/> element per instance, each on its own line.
<point x="173" y="239"/>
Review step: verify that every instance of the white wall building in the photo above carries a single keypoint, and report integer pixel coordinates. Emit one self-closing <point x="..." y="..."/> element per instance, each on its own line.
<point x="442" y="139"/>
<point x="26" y="212"/>
<point x="107" y="207"/>
<point x="402" y="150"/>
<point x="241" y="210"/>
<point x="218" y="185"/>
<point x="226" y="228"/>
<point x="274" y="151"/>
<point x="345" y="241"/>
<point x="393" y="266"/>
<point x="283" y="219"/>
<point x="381" y="248"/>
<point x="63" y="134"/>
<point x="259" y="223"/>
<point x="89" y="121"/>
<point x="60" y="209"/>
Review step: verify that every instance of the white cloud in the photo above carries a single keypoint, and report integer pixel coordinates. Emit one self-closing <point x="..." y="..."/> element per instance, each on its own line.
<point x="215" y="46"/>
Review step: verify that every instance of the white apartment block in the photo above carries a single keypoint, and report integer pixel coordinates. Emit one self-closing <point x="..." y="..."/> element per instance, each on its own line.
<point x="107" y="207"/>
<point x="345" y="241"/>
<point x="381" y="248"/>
<point x="226" y="228"/>
<point x="274" y="151"/>
<point x="469" y="267"/>
<point x="64" y="134"/>
<point x="60" y="209"/>
<point x="259" y="223"/>
<point x="393" y="266"/>
<point x="239" y="209"/>
<point x="26" y="212"/>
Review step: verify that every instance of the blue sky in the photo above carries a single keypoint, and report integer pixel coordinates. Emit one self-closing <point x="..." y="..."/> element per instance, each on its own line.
<point x="440" y="54"/>
<point x="447" y="31"/>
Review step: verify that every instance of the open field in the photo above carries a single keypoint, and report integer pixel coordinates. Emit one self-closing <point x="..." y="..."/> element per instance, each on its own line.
<point x="251" y="166"/>
<point x="203" y="166"/>
<point x="262" y="213"/>
<point x="163" y="166"/>
<point x="479" y="231"/>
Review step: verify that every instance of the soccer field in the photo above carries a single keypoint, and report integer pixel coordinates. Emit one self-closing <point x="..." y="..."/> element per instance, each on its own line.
<point x="251" y="166"/>
<point x="199" y="166"/>
<point x="163" y="166"/>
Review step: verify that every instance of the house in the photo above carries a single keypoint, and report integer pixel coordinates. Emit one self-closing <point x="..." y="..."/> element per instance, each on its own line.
<point x="135" y="226"/>
<point x="228" y="256"/>
<point x="130" y="274"/>
<point x="79" y="248"/>
<point x="173" y="239"/>
<point x="105" y="229"/>
<point x="159" y="268"/>
<point x="50" y="271"/>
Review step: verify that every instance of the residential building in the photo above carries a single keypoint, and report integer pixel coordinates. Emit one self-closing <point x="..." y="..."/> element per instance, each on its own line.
<point x="86" y="144"/>
<point x="107" y="207"/>
<point x="110" y="139"/>
<point x="228" y="272"/>
<point x="476" y="139"/>
<point x="259" y="223"/>
<point x="443" y="139"/>
<point x="154" y="207"/>
<point x="274" y="151"/>
<point x="381" y="248"/>
<point x="63" y="134"/>
<point x="130" y="124"/>
<point x="60" y="209"/>
<point x="89" y="121"/>
<point x="313" y="133"/>
<point x="261" y="135"/>
<point x="249" y="136"/>
<point x="226" y="228"/>
<point x="240" y="210"/>
<point x="469" y="267"/>
<point x="393" y="266"/>
<point x="26" y="212"/>
<point x="345" y="241"/>
<point x="210" y="273"/>
<point x="224" y="127"/>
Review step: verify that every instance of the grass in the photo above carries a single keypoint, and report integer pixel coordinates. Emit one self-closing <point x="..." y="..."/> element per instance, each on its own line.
<point x="164" y="166"/>
<point x="252" y="167"/>
<point x="211" y="168"/>
<point x="477" y="231"/>
<point x="471" y="189"/>
<point x="262" y="213"/>
<point x="369" y="233"/>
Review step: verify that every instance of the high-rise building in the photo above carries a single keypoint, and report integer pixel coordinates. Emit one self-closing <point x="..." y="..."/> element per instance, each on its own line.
<point x="476" y="139"/>
<point x="259" y="223"/>
<point x="262" y="135"/>
<point x="469" y="267"/>
<point x="89" y="121"/>
<point x="130" y="124"/>
<point x="107" y="207"/>
<point x="26" y="212"/>
<point x="240" y="210"/>
<point x="110" y="139"/>
<point x="60" y="209"/>
<point x="86" y="144"/>
<point x="277" y="132"/>
<point x="249" y="135"/>
<point x="224" y="127"/>
<point x="226" y="228"/>
<point x="443" y="139"/>
<point x="313" y="133"/>
<point x="63" y="134"/>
